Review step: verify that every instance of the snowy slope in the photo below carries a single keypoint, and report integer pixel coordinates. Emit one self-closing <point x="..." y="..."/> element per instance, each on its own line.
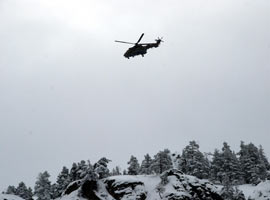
<point x="9" y="197"/>
<point x="144" y="187"/>
<point x="247" y="189"/>
<point x="178" y="187"/>
<point x="258" y="192"/>
<point x="252" y="192"/>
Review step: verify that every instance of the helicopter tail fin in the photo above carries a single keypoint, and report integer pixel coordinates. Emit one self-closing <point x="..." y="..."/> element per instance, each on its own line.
<point x="159" y="40"/>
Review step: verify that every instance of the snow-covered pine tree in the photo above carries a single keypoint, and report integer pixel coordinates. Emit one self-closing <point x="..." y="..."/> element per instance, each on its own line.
<point x="226" y="164"/>
<point x="101" y="168"/>
<point x="161" y="162"/>
<point x="134" y="166"/>
<point x="227" y="191"/>
<point x="251" y="163"/>
<point x="54" y="191"/>
<point x="11" y="190"/>
<point x="146" y="165"/>
<point x="116" y="171"/>
<point x="264" y="158"/>
<point x="193" y="161"/>
<point x="30" y="193"/>
<point x="43" y="186"/>
<point x="74" y="172"/>
<point x="62" y="181"/>
<point x="216" y="164"/>
<point x="91" y="174"/>
<point x="23" y="191"/>
<point x="231" y="165"/>
<point x="82" y="169"/>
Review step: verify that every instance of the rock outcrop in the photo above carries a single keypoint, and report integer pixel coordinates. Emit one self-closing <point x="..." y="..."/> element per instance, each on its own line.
<point x="171" y="185"/>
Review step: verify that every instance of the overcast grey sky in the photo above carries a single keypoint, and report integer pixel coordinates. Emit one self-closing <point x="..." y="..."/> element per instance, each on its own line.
<point x="67" y="92"/>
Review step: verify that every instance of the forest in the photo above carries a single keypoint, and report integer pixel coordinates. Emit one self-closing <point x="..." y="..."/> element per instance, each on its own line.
<point x="222" y="167"/>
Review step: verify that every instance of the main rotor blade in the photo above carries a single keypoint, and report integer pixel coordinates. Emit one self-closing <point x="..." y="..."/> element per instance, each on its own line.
<point x="140" y="38"/>
<point x="146" y="43"/>
<point x="124" y="42"/>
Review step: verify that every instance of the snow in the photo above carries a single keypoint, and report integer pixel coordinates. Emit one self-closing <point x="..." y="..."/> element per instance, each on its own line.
<point x="124" y="178"/>
<point x="9" y="197"/>
<point x="150" y="182"/>
<point x="176" y="186"/>
<point x="247" y="189"/>
<point x="261" y="191"/>
<point x="71" y="196"/>
<point x="258" y="192"/>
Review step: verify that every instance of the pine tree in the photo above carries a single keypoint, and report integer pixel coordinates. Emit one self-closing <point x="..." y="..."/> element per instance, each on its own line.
<point x="74" y="172"/>
<point x="161" y="162"/>
<point x="91" y="173"/>
<point x="116" y="171"/>
<point x="264" y="158"/>
<point x="54" y="192"/>
<point x="231" y="165"/>
<point x="146" y="165"/>
<point x="62" y="181"/>
<point x="193" y="162"/>
<point x="226" y="164"/>
<point x="30" y="193"/>
<point x="101" y="168"/>
<point x="251" y="163"/>
<point x="134" y="166"/>
<point x="216" y="164"/>
<point x="81" y="169"/>
<point x="227" y="191"/>
<point x="11" y="190"/>
<point x="24" y="192"/>
<point x="43" y="186"/>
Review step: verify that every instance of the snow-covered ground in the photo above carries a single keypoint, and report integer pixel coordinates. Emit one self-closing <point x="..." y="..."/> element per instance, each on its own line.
<point x="9" y="197"/>
<point x="258" y="192"/>
<point x="150" y="182"/>
<point x="147" y="187"/>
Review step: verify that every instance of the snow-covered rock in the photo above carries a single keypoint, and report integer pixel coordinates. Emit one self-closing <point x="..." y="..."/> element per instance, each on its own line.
<point x="184" y="187"/>
<point x="261" y="191"/>
<point x="131" y="188"/>
<point x="9" y="197"/>
<point x="147" y="187"/>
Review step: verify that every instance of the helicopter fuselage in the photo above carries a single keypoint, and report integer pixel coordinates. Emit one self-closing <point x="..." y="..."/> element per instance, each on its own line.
<point x="136" y="50"/>
<point x="140" y="49"/>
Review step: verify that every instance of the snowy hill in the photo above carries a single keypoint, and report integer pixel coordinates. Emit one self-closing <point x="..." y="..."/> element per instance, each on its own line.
<point x="9" y="197"/>
<point x="146" y="187"/>
<point x="258" y="192"/>
<point x="177" y="186"/>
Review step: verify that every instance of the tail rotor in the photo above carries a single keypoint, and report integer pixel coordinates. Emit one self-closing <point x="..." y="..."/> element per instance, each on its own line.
<point x="159" y="39"/>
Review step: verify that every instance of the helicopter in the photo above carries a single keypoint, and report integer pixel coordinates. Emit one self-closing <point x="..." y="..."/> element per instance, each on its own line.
<point x="139" y="49"/>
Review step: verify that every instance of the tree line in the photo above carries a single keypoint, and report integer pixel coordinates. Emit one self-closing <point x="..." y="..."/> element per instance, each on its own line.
<point x="248" y="166"/>
<point x="224" y="166"/>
